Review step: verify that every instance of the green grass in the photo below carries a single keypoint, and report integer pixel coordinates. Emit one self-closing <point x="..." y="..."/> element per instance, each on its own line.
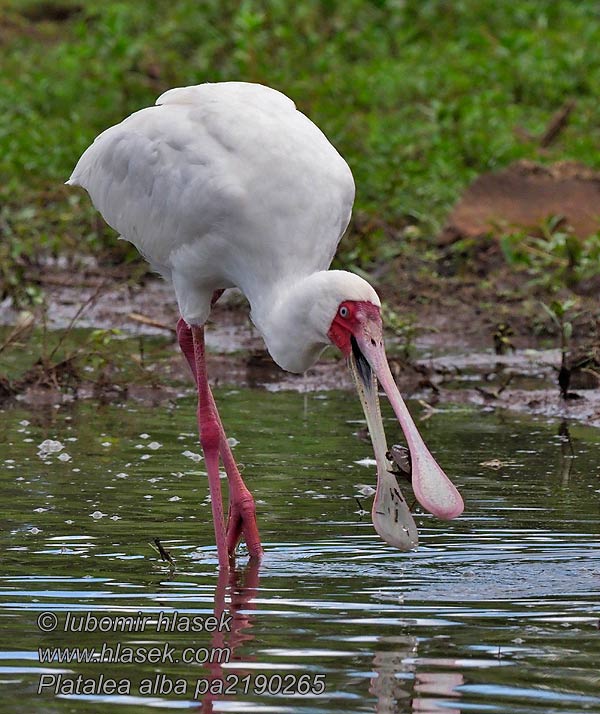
<point x="420" y="96"/>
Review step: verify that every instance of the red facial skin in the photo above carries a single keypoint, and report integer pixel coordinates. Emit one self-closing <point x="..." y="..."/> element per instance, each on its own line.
<point x="342" y="328"/>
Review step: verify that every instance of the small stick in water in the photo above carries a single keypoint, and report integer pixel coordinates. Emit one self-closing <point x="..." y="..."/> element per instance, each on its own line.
<point x="164" y="554"/>
<point x="360" y="506"/>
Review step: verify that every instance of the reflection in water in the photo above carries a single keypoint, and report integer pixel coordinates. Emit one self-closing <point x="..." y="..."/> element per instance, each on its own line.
<point x="242" y="587"/>
<point x="433" y="686"/>
<point x="420" y="691"/>
<point x="386" y="685"/>
<point x="495" y="612"/>
<point x="567" y="452"/>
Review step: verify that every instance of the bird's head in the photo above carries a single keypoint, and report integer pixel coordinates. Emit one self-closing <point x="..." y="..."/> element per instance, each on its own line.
<point x="356" y="320"/>
<point x="357" y="330"/>
<point x="335" y="306"/>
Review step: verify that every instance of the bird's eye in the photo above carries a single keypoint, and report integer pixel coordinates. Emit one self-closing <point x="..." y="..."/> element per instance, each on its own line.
<point x="344" y="311"/>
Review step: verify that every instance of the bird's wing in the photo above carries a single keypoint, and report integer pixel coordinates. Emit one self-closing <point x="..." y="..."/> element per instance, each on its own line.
<point x="140" y="175"/>
<point x="222" y="181"/>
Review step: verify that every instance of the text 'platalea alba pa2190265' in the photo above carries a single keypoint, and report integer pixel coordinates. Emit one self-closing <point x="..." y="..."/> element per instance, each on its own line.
<point x="229" y="185"/>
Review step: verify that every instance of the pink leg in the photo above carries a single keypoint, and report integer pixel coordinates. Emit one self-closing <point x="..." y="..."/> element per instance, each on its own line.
<point x="210" y="437"/>
<point x="242" y="511"/>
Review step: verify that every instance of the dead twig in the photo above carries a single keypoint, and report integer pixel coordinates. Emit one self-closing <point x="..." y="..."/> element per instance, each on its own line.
<point x="149" y="321"/>
<point x="92" y="298"/>
<point x="62" y="282"/>
<point x="557" y="123"/>
<point x="163" y="552"/>
<point x="23" y="325"/>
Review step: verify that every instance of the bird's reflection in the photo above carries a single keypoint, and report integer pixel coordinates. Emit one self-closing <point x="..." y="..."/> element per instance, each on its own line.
<point x="234" y="592"/>
<point x="400" y="687"/>
<point x="431" y="686"/>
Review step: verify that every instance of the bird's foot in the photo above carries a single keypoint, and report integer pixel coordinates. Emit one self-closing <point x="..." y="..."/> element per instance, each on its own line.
<point x="241" y="521"/>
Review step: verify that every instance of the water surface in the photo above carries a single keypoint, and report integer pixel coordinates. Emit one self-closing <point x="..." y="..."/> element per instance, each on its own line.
<point x="497" y="611"/>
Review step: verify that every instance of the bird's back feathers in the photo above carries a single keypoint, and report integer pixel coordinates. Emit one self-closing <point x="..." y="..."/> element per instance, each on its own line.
<point x="221" y="185"/>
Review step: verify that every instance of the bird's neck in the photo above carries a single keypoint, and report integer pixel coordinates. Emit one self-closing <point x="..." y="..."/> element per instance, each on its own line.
<point x="293" y="318"/>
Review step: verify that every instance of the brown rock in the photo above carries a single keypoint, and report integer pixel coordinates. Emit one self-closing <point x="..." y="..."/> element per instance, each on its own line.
<point x="523" y="196"/>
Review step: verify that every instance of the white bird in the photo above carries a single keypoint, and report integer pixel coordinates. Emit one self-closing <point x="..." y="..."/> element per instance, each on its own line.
<point x="229" y="185"/>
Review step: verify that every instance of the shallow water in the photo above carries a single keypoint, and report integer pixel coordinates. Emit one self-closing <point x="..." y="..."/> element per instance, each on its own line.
<point x="497" y="611"/>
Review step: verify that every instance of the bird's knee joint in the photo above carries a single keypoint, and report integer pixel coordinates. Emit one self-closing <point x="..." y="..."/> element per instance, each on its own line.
<point x="247" y="506"/>
<point x="210" y="435"/>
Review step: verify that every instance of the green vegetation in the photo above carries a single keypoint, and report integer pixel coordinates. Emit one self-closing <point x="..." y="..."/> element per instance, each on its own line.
<point x="559" y="314"/>
<point x="420" y="96"/>
<point x="555" y="258"/>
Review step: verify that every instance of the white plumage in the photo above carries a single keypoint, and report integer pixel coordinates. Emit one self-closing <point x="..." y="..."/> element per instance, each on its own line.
<point x="223" y="185"/>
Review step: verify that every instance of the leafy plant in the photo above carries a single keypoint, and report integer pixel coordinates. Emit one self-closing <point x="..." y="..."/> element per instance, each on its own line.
<point x="558" y="312"/>
<point x="555" y="259"/>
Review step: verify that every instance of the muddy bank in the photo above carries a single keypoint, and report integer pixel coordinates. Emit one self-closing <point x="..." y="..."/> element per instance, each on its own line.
<point x="450" y="364"/>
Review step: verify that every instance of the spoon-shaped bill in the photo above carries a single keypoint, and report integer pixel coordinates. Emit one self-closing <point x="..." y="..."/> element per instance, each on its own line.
<point x="433" y="489"/>
<point x="391" y="516"/>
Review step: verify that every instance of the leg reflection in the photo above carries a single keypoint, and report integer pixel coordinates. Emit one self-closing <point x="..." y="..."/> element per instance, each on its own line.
<point x="235" y="591"/>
